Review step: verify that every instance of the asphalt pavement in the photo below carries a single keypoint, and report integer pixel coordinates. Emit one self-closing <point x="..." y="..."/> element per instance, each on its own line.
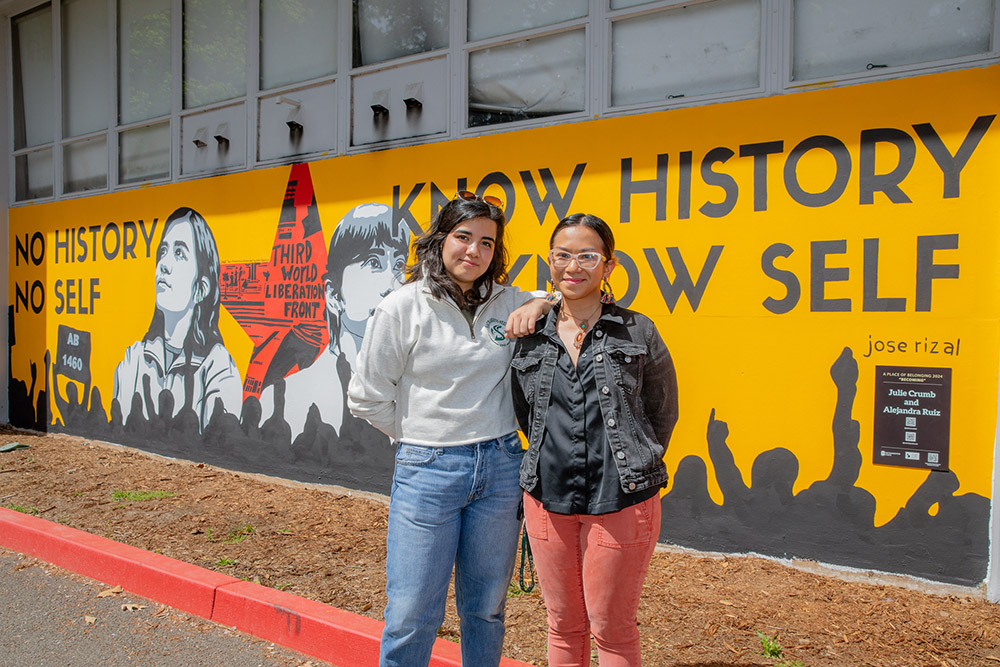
<point x="52" y="617"/>
<point x="183" y="591"/>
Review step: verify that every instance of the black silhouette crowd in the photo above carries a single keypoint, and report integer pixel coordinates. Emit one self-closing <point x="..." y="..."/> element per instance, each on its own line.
<point x="937" y="535"/>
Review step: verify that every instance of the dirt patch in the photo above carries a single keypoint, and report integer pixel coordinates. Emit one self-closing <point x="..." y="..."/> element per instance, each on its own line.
<point x="328" y="545"/>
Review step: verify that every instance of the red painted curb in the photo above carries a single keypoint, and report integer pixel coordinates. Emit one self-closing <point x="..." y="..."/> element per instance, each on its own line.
<point x="313" y="628"/>
<point x="340" y="637"/>
<point x="181" y="585"/>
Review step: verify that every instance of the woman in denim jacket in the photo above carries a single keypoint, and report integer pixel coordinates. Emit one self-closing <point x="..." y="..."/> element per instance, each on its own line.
<point x="596" y="393"/>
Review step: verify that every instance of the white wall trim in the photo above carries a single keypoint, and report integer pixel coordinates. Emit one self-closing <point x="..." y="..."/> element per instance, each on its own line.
<point x="993" y="573"/>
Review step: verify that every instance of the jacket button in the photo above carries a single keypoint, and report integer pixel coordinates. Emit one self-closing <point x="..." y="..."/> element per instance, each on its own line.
<point x="631" y="486"/>
<point x="611" y="423"/>
<point x="598" y="333"/>
<point x="599" y="357"/>
<point x="628" y="360"/>
<point x="605" y="390"/>
<point x="621" y="455"/>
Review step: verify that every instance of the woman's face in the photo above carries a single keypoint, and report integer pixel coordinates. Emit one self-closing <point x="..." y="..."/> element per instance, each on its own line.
<point x="367" y="281"/>
<point x="176" y="269"/>
<point x="468" y="250"/>
<point x="573" y="280"/>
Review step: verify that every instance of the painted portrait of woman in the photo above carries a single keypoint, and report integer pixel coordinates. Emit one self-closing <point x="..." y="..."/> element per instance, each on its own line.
<point x="182" y="352"/>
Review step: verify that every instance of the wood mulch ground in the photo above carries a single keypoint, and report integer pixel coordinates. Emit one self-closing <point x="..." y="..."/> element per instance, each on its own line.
<point x="328" y="544"/>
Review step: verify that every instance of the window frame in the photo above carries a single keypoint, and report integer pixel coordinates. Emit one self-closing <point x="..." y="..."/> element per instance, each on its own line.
<point x="790" y="84"/>
<point x="774" y="67"/>
<point x="51" y="145"/>
<point x="563" y="27"/>
<point x="614" y="16"/>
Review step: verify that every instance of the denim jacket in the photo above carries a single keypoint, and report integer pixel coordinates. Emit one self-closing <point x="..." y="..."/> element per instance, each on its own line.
<point x="636" y="383"/>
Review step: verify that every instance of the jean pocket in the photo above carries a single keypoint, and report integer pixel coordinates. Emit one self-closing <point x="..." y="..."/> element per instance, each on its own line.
<point x="415" y="455"/>
<point x="627" y="528"/>
<point x="525" y="370"/>
<point x="536" y="520"/>
<point x="511" y="446"/>
<point x="627" y="361"/>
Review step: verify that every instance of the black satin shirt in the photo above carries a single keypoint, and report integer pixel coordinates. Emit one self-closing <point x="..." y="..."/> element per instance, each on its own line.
<point x="576" y="472"/>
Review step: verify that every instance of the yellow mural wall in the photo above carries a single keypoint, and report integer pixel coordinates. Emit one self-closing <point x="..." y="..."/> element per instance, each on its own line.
<point x="819" y="172"/>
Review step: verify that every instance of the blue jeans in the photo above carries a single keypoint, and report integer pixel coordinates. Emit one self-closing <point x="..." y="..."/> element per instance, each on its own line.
<point x="450" y="505"/>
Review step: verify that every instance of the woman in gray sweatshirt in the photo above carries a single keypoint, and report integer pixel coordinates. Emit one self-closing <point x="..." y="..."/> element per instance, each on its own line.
<point x="432" y="374"/>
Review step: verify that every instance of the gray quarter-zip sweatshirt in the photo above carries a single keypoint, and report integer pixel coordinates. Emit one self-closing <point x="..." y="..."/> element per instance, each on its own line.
<point x="426" y="376"/>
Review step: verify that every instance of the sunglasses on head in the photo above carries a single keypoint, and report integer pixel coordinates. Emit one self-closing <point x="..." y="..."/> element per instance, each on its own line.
<point x="472" y="196"/>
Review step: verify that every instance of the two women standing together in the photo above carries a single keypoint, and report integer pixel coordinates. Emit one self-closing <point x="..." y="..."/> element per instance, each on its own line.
<point x="593" y="388"/>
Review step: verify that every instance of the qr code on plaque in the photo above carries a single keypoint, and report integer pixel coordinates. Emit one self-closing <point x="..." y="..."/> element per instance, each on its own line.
<point x="911" y="421"/>
<point x="910" y="436"/>
<point x="932" y="457"/>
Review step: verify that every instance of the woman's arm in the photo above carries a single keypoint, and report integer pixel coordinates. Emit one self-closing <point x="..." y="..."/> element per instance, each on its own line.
<point x="521" y="322"/>
<point x="371" y="394"/>
<point x="659" y="388"/>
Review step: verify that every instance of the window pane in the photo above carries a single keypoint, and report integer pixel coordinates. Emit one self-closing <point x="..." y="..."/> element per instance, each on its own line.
<point x="31" y="37"/>
<point x="85" y="85"/>
<point x="488" y="18"/>
<point x="845" y="36"/>
<point x="33" y="175"/>
<point x="85" y="165"/>
<point x="388" y="29"/>
<point x="144" y="153"/>
<point x="144" y="59"/>
<point x="529" y="79"/>
<point x="693" y="50"/>
<point x="298" y="41"/>
<point x="215" y="46"/>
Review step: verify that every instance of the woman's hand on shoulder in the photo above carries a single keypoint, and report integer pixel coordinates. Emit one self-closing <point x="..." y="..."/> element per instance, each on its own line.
<point x="521" y="322"/>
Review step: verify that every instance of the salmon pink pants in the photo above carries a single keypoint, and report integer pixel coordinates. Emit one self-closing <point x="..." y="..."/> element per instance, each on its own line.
<point x="591" y="570"/>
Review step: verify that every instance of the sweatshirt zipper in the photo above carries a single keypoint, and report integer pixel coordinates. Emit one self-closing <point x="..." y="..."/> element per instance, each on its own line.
<point x="479" y="311"/>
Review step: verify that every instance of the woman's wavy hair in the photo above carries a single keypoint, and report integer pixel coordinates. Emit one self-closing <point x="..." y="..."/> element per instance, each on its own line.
<point x="204" y="333"/>
<point x="429" y="265"/>
<point x="591" y="221"/>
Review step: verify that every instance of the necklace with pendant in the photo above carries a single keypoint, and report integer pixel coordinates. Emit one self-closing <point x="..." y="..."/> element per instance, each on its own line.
<point x="583" y="324"/>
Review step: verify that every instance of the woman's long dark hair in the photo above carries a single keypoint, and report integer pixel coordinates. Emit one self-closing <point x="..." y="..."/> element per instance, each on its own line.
<point x="429" y="264"/>
<point x="203" y="333"/>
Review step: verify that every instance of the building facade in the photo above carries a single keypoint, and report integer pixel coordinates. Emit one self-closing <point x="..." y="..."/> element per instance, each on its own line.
<point x="204" y="200"/>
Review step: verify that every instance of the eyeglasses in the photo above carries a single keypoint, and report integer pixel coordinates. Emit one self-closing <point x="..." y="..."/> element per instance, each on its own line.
<point x="472" y="196"/>
<point x="559" y="259"/>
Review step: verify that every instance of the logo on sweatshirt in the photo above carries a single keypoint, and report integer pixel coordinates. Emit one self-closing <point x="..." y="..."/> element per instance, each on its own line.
<point x="495" y="328"/>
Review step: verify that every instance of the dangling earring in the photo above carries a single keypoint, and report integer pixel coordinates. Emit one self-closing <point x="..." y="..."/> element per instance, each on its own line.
<point x="552" y="295"/>
<point x="607" y="296"/>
